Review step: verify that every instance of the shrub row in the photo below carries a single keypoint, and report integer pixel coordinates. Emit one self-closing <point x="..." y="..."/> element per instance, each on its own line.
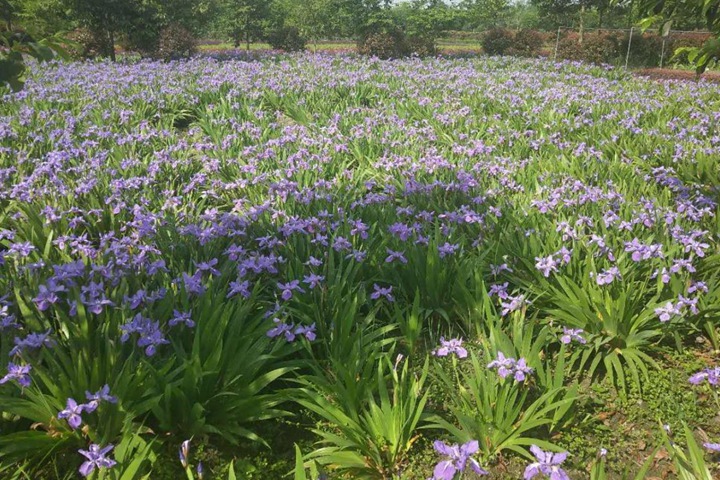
<point x="612" y="47"/>
<point x="596" y="46"/>
<point x="173" y="42"/>
<point x="287" y="39"/>
<point x="395" y="44"/>
<point x="525" y="42"/>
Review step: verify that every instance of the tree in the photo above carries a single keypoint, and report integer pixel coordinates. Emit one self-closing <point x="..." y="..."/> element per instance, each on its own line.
<point x="42" y="18"/>
<point x="484" y="14"/>
<point x="14" y="46"/>
<point x="315" y="19"/>
<point x="244" y="19"/>
<point x="361" y="17"/>
<point x="665" y="13"/>
<point x="107" y="19"/>
<point x="428" y="18"/>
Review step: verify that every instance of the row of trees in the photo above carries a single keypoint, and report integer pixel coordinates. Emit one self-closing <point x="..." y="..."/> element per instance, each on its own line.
<point x="141" y="24"/>
<point x="244" y="21"/>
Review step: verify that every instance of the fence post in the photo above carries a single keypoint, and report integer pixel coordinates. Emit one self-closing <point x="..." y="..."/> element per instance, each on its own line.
<point x="662" y="53"/>
<point x="627" y="55"/>
<point x="557" y="42"/>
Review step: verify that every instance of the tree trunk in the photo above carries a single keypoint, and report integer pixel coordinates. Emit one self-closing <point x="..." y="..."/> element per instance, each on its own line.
<point x="111" y="38"/>
<point x="582" y="23"/>
<point x="247" y="33"/>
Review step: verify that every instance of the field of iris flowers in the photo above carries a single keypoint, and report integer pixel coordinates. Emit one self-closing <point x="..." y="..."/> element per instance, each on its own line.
<point x="336" y="267"/>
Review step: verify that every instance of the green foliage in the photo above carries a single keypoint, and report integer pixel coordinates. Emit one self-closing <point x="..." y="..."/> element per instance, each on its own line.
<point x="527" y="42"/>
<point x="666" y="13"/>
<point x="620" y="325"/>
<point x="689" y="460"/>
<point x="315" y="19"/>
<point x="244" y="20"/>
<point x="503" y="415"/>
<point x="175" y="42"/>
<point x="14" y="46"/>
<point x="371" y="440"/>
<point x="221" y="382"/>
<point x="497" y="41"/>
<point x="287" y="39"/>
<point x="384" y="45"/>
<point x="595" y="47"/>
<point x="485" y="14"/>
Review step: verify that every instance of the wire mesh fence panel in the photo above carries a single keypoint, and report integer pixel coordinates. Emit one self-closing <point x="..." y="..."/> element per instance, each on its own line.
<point x="627" y="47"/>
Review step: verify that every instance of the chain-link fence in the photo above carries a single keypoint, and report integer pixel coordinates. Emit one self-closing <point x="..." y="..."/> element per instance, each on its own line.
<point x="628" y="47"/>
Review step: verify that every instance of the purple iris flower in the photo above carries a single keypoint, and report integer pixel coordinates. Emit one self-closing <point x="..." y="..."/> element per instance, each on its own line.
<point x="181" y="317"/>
<point x="514" y="303"/>
<point x="713" y="447"/>
<point x="382" y="292"/>
<point x="33" y="340"/>
<point x="47" y="295"/>
<point x="500" y="290"/>
<point x="505" y="365"/>
<point x="447" y="249"/>
<point x="340" y="244"/>
<point x="454" y="345"/>
<point x="150" y="334"/>
<point x="21" y="249"/>
<point x="606" y="277"/>
<point x="209" y="267"/>
<point x="313" y="280"/>
<point x="314" y="262"/>
<point x="21" y="373"/>
<point x="308" y="332"/>
<point x="102" y="395"/>
<point x="547" y="465"/>
<point x="289" y="288"/>
<point x="712" y="375"/>
<point x="96" y="458"/>
<point x="456" y="458"/>
<point x="522" y="370"/>
<point x="7" y="320"/>
<point x="72" y="413"/>
<point x="282" y="328"/>
<point x="393" y="255"/>
<point x="570" y="334"/>
<point x="546" y="265"/>
<point x="667" y="312"/>
<point x="357" y="255"/>
<point x="495" y="270"/>
<point x="193" y="283"/>
<point x="241" y="287"/>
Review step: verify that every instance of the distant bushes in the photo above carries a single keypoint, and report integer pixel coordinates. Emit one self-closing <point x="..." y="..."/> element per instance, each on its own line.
<point x="169" y="42"/>
<point x="287" y="39"/>
<point x="88" y="44"/>
<point x="612" y="47"/>
<point x="497" y="41"/>
<point x="501" y="41"/>
<point x="680" y="40"/>
<point x="595" y="47"/>
<point x="395" y="44"/>
<point x="527" y="43"/>
<point x="175" y="42"/>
